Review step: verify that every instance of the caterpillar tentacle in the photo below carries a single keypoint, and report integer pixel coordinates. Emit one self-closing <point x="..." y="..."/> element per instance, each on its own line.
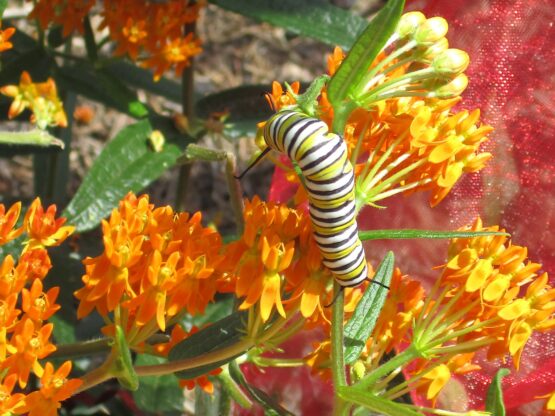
<point x="330" y="185"/>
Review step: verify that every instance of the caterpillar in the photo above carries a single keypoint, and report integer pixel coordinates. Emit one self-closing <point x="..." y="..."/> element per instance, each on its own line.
<point x="329" y="181"/>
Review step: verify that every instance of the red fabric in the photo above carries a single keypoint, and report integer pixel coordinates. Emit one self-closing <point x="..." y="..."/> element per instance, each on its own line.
<point x="511" y="47"/>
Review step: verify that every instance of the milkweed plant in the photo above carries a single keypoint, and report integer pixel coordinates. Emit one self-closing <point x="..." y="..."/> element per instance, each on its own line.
<point x="165" y="301"/>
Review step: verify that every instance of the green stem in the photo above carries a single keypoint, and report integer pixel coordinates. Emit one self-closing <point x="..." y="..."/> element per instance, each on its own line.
<point x="398" y="361"/>
<point x="233" y="389"/>
<point x="278" y="362"/>
<point x="337" y="344"/>
<point x="235" y="192"/>
<point x="195" y="362"/>
<point x="98" y="375"/>
<point x="385" y="61"/>
<point x="96" y="346"/>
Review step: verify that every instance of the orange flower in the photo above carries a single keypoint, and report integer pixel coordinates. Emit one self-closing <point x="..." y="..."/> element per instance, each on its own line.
<point x="69" y="15"/>
<point x="259" y="259"/>
<point x="43" y="229"/>
<point x="10" y="403"/>
<point x="41" y="98"/>
<point x="36" y="304"/>
<point x="176" y="53"/>
<point x="29" y="344"/>
<point x="5" y="36"/>
<point x="7" y="223"/>
<point x="55" y="388"/>
<point x="155" y="265"/>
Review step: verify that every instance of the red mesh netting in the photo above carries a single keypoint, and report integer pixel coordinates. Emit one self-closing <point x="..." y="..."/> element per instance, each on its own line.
<point x="511" y="46"/>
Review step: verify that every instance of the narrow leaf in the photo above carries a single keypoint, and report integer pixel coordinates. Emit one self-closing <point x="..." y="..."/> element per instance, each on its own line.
<point x="494" y="398"/>
<point x="220" y="334"/>
<point x="33" y="139"/>
<point x="412" y="233"/>
<point x="126" y="164"/>
<point x="364" y="51"/>
<point x="143" y="78"/>
<point x="99" y="85"/>
<point x="3" y="5"/>
<point x="376" y="404"/>
<point x="242" y="103"/>
<point x="158" y="394"/>
<point x="313" y="18"/>
<point x="268" y="403"/>
<point x="361" y="324"/>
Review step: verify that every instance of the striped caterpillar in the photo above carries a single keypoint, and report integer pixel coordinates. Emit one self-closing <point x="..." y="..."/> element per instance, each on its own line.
<point x="329" y="181"/>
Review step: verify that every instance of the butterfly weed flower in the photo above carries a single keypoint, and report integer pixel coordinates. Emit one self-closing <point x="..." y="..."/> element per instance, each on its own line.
<point x="43" y="228"/>
<point x="5" y="35"/>
<point x="461" y="315"/>
<point x="156" y="265"/>
<point x="55" y="387"/>
<point x="39" y="97"/>
<point x="8" y="221"/>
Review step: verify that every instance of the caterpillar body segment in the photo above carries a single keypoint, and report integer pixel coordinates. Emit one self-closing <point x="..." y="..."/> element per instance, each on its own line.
<point x="330" y="184"/>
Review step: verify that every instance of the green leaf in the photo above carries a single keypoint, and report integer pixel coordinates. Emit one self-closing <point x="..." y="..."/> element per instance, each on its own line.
<point x="411" y="233"/>
<point x="158" y="394"/>
<point x="64" y="332"/>
<point x="242" y="103"/>
<point x="494" y="398"/>
<point x="143" y="78"/>
<point x="99" y="85"/>
<point x="375" y="403"/>
<point x="312" y="18"/>
<point x="219" y="335"/>
<point x="364" y="51"/>
<point x="126" y="164"/>
<point x="268" y="403"/>
<point x="90" y="42"/>
<point x="122" y="367"/>
<point x="307" y="101"/>
<point x="3" y="5"/>
<point x="362" y="322"/>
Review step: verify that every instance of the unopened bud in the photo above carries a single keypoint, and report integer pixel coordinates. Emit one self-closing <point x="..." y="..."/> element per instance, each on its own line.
<point x="359" y="370"/>
<point x="431" y="31"/>
<point x="454" y="88"/>
<point x="434" y="50"/>
<point x="409" y="22"/>
<point x="451" y="62"/>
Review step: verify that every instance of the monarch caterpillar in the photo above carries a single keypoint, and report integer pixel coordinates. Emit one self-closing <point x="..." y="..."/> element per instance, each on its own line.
<point x="329" y="181"/>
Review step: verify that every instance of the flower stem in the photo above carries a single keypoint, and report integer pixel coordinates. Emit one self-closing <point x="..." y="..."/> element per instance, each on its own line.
<point x="233" y="389"/>
<point x="339" y="377"/>
<point x="398" y="361"/>
<point x="195" y="362"/>
<point x="337" y="353"/>
<point x="278" y="362"/>
<point x="77" y="349"/>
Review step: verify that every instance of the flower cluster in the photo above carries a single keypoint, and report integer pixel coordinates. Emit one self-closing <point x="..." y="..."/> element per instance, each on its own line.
<point x="39" y="97"/>
<point x="25" y="307"/>
<point x="477" y="302"/>
<point x="156" y="265"/>
<point x="405" y="137"/>
<point x="148" y="32"/>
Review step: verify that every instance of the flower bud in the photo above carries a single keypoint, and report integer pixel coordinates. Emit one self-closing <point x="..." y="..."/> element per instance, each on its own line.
<point x="431" y="31"/>
<point x="359" y="370"/>
<point x="409" y="22"/>
<point x="453" y="88"/>
<point x="434" y="50"/>
<point x="450" y="62"/>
